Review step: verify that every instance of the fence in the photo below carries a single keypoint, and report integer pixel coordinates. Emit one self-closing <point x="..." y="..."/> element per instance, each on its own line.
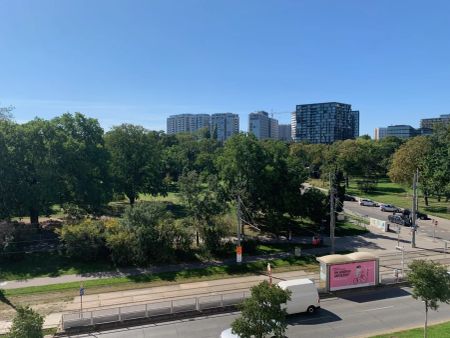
<point x="170" y="307"/>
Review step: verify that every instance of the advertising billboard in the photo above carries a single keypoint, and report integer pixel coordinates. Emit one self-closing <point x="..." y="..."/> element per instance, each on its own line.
<point x="352" y="275"/>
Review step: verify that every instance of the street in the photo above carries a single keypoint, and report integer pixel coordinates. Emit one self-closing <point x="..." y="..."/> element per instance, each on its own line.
<point x="425" y="226"/>
<point x="359" y="314"/>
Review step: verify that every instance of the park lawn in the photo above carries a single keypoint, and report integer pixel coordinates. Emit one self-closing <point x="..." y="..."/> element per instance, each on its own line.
<point x="434" y="331"/>
<point x="347" y="228"/>
<point x="48" y="264"/>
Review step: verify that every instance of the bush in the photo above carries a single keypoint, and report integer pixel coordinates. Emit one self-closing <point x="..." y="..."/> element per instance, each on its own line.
<point x="26" y="324"/>
<point x="85" y="240"/>
<point x="147" y="234"/>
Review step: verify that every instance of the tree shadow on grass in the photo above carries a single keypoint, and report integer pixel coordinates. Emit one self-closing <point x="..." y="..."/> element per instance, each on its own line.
<point x="5" y="299"/>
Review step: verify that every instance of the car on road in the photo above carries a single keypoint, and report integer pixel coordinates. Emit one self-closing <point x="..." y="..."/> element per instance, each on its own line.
<point x="420" y="215"/>
<point x="399" y="219"/>
<point x="349" y="198"/>
<point x="367" y="203"/>
<point x="389" y="208"/>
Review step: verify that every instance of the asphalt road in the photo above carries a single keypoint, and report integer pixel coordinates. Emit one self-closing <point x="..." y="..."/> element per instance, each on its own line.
<point x="360" y="314"/>
<point x="425" y="226"/>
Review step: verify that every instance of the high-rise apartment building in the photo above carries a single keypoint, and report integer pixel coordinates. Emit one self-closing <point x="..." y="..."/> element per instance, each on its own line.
<point x="262" y="126"/>
<point x="325" y="122"/>
<point x="284" y="132"/>
<point x="430" y="123"/>
<point x="273" y="129"/>
<point x="187" y="123"/>
<point x="224" y="125"/>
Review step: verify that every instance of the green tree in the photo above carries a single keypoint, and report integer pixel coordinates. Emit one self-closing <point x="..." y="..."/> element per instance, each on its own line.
<point x="431" y="284"/>
<point x="26" y="324"/>
<point x="82" y="161"/>
<point x="157" y="236"/>
<point x="38" y="186"/>
<point x="135" y="162"/>
<point x="262" y="313"/>
<point x="202" y="198"/>
<point x="407" y="159"/>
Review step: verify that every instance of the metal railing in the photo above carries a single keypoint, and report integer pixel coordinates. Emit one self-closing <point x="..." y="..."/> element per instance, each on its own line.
<point x="170" y="307"/>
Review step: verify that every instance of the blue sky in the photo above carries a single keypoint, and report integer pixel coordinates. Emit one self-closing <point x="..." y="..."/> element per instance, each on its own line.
<point x="140" y="61"/>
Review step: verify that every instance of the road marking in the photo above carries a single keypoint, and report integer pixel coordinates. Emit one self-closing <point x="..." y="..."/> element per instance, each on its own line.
<point x="379" y="308"/>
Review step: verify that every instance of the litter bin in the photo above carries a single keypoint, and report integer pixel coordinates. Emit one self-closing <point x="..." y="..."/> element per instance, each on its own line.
<point x="297" y="251"/>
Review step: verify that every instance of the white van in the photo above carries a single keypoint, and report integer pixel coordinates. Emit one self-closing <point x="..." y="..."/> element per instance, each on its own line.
<point x="304" y="295"/>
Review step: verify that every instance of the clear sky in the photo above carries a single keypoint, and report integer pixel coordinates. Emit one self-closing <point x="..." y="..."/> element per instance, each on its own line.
<point x="141" y="61"/>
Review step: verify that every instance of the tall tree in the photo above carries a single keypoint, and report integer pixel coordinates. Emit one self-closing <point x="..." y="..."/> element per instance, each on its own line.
<point x="407" y="159"/>
<point x="136" y="163"/>
<point x="262" y="313"/>
<point x="38" y="184"/>
<point x="431" y="284"/>
<point x="82" y="161"/>
<point x="203" y="199"/>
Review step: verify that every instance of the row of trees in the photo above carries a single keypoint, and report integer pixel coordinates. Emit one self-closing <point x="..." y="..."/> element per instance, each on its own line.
<point x="70" y="161"/>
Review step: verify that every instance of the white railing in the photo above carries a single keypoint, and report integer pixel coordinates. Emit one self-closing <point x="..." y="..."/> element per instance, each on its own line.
<point x="149" y="310"/>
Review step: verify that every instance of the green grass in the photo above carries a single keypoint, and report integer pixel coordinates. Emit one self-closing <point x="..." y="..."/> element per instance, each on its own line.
<point x="48" y="264"/>
<point x="184" y="276"/>
<point x="434" y="331"/>
<point x="346" y="228"/>
<point x="50" y="331"/>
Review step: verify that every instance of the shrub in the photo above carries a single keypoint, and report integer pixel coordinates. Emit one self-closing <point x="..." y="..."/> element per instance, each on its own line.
<point x="85" y="240"/>
<point x="26" y="324"/>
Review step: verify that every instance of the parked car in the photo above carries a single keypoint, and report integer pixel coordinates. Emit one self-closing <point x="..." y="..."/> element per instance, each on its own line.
<point x="399" y="219"/>
<point x="367" y="203"/>
<point x="419" y="215"/>
<point x="349" y="198"/>
<point x="389" y="208"/>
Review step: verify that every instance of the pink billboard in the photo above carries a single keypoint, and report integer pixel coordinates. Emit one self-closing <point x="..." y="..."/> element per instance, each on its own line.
<point x="352" y="275"/>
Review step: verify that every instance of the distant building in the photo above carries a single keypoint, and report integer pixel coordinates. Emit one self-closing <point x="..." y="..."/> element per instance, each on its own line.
<point x="324" y="122"/>
<point x="224" y="125"/>
<point x="262" y="126"/>
<point x="380" y="133"/>
<point x="401" y="131"/>
<point x="284" y="132"/>
<point x="431" y="122"/>
<point x="179" y="123"/>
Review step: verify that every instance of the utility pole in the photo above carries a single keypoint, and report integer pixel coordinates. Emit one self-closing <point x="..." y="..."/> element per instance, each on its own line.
<point x="332" y="212"/>
<point x="239" y="225"/>
<point x="414" y="210"/>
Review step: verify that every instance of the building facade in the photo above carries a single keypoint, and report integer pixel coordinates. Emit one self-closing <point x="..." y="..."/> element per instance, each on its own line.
<point x="401" y="131"/>
<point x="380" y="133"/>
<point x="262" y="126"/>
<point x="284" y="132"/>
<point x="224" y="125"/>
<point x="430" y="123"/>
<point x="324" y="122"/>
<point x="187" y="123"/>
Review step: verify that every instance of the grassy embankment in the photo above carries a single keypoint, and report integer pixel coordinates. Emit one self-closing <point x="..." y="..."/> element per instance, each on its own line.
<point x="393" y="193"/>
<point x="435" y="331"/>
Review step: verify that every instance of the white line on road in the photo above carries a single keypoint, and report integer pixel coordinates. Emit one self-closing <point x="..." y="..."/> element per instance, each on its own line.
<point x="379" y="308"/>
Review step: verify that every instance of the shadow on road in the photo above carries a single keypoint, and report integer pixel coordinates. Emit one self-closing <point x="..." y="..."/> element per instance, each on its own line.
<point x="370" y="296"/>
<point x="320" y="317"/>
